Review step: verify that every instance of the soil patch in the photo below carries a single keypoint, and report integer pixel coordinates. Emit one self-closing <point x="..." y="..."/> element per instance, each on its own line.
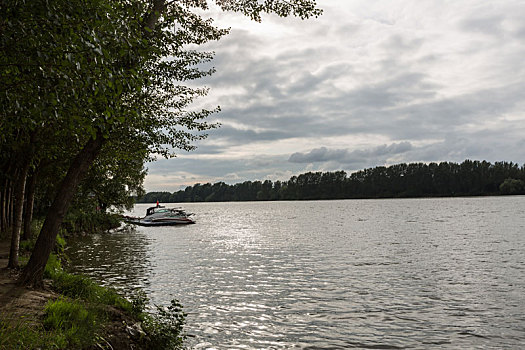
<point x="16" y="302"/>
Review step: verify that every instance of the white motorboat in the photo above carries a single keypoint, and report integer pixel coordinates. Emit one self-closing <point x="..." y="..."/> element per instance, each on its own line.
<point x="161" y="216"/>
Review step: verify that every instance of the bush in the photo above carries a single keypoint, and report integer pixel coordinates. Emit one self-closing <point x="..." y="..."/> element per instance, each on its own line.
<point x="166" y="327"/>
<point x="138" y="304"/>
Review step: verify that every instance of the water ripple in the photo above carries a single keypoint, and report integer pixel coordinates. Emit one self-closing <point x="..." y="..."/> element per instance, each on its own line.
<point x="389" y="274"/>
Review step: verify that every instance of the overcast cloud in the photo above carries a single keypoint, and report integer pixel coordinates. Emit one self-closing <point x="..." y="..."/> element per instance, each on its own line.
<point x="369" y="83"/>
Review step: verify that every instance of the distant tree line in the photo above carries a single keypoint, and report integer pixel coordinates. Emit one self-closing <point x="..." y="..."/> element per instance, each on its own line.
<point x="470" y="178"/>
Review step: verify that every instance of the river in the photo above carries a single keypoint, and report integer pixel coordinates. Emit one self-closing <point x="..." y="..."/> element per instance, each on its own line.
<point x="373" y="274"/>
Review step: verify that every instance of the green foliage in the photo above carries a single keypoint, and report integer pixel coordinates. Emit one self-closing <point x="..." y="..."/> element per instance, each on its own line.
<point x="60" y="245"/>
<point x="253" y="8"/>
<point x="20" y="335"/>
<point x="139" y="301"/>
<point x="26" y="246"/>
<point x="165" y="329"/>
<point x="73" y="321"/>
<point x="82" y="220"/>
<point x="82" y="287"/>
<point x="53" y="267"/>
<point x="512" y="186"/>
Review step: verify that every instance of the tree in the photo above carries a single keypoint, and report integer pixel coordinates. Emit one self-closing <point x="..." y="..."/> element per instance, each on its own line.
<point x="512" y="186"/>
<point x="126" y="94"/>
<point x="90" y="71"/>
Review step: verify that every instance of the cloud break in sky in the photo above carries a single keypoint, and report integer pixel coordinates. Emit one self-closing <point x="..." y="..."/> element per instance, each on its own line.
<point x="368" y="83"/>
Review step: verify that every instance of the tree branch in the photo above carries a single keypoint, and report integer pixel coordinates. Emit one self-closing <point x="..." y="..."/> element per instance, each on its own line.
<point x="158" y="7"/>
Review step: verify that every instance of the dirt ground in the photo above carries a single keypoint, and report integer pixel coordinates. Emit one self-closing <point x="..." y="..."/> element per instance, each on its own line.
<point x="18" y="302"/>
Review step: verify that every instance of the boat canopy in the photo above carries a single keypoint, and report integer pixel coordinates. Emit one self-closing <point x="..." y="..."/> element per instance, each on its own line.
<point x="152" y="210"/>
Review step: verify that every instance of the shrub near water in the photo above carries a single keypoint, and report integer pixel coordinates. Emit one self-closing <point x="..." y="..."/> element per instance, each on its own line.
<point x="166" y="327"/>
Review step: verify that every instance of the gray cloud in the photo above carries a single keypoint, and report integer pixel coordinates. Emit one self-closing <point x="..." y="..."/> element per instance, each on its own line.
<point x="490" y="25"/>
<point x="418" y="82"/>
<point x="344" y="156"/>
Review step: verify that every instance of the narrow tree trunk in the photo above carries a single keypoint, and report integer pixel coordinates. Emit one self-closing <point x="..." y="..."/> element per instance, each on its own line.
<point x="19" y="195"/>
<point x="30" y="200"/>
<point x="3" y="208"/>
<point x="33" y="272"/>
<point x="10" y="201"/>
<point x="4" y="190"/>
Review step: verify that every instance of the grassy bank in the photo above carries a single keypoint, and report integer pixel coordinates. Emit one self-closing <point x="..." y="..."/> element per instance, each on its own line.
<point x="75" y="313"/>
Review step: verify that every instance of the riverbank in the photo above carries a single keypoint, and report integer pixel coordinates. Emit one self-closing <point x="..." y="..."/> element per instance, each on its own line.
<point x="51" y="318"/>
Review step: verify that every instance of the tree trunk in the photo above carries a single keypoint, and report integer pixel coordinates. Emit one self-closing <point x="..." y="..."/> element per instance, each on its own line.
<point x="4" y="194"/>
<point x="30" y="200"/>
<point x="33" y="272"/>
<point x="19" y="195"/>
<point x="10" y="201"/>
<point x="6" y="222"/>
<point x="3" y="208"/>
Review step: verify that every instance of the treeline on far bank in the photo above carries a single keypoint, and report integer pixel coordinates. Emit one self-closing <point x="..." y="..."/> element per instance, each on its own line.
<point x="470" y="178"/>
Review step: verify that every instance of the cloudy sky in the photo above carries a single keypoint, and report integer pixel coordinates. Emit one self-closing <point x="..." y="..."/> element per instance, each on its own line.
<point x="368" y="83"/>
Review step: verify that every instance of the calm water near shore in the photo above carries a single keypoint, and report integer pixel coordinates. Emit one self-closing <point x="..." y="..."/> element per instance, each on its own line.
<point x="377" y="274"/>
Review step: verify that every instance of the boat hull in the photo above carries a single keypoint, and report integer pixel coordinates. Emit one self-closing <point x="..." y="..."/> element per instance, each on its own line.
<point x="140" y="222"/>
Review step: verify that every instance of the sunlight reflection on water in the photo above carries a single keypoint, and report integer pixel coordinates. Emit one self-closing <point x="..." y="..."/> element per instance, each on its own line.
<point x="336" y="274"/>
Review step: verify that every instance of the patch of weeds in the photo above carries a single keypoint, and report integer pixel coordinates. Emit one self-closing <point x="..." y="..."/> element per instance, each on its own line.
<point x="53" y="266"/>
<point x="23" y="336"/>
<point x="165" y="329"/>
<point x="22" y="261"/>
<point x="139" y="302"/>
<point x="60" y="247"/>
<point x="26" y="247"/>
<point x="82" y="287"/>
<point x="109" y="296"/>
<point x="75" y="324"/>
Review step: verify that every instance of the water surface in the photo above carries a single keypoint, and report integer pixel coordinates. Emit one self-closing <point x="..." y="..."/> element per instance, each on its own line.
<point x="378" y="274"/>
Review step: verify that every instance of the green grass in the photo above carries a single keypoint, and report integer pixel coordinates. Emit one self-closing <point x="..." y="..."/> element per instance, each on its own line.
<point x="23" y="336"/>
<point x="67" y="324"/>
<point x="74" y="324"/>
<point x="81" y="287"/>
